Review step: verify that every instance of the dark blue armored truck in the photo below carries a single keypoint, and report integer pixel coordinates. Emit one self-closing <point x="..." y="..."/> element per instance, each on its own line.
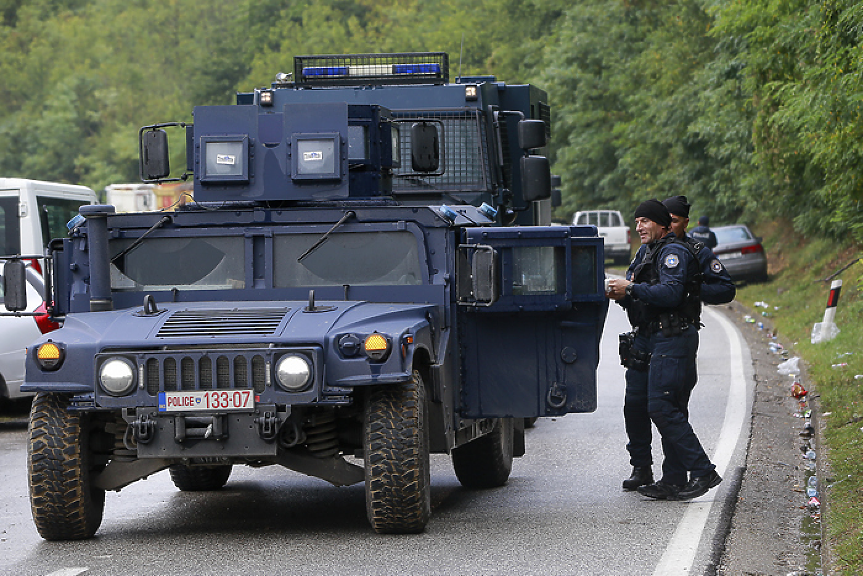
<point x="361" y="279"/>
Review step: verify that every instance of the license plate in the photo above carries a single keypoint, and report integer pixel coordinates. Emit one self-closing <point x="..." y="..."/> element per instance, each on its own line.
<point x="731" y="256"/>
<point x="206" y="401"/>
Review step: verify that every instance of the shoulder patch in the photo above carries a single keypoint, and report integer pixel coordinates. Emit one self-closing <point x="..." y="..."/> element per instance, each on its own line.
<point x="716" y="266"/>
<point x="671" y="261"/>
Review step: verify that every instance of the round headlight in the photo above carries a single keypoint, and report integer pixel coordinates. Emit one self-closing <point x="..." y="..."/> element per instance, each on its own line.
<point x="293" y="372"/>
<point x="117" y="376"/>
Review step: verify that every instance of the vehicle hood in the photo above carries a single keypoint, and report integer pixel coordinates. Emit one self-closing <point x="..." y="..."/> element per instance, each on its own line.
<point x="214" y="323"/>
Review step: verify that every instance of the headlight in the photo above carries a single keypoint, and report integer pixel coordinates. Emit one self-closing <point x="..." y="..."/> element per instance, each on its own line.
<point x="293" y="372"/>
<point x="117" y="376"/>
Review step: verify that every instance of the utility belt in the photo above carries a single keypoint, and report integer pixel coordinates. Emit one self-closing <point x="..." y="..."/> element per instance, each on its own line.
<point x="669" y="323"/>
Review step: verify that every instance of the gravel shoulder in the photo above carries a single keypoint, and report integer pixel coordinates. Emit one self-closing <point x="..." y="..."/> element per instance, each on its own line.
<point x="772" y="533"/>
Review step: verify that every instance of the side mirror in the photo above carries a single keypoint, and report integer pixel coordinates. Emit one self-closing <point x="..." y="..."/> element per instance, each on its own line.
<point x="535" y="178"/>
<point x="154" y="155"/>
<point x="15" y="285"/>
<point x="484" y="275"/>
<point x="531" y="134"/>
<point x="425" y="147"/>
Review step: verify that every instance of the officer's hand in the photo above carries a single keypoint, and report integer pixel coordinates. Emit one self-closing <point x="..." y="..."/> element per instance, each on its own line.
<point x="616" y="289"/>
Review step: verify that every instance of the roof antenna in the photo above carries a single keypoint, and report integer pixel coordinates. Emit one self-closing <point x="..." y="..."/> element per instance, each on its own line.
<point x="460" y="52"/>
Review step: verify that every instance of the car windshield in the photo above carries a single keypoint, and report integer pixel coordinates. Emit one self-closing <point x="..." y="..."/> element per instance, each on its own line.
<point x="363" y="258"/>
<point x="203" y="263"/>
<point x="731" y="234"/>
<point x="347" y="258"/>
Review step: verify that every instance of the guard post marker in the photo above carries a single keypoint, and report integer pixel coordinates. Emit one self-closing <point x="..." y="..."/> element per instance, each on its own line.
<point x="830" y="311"/>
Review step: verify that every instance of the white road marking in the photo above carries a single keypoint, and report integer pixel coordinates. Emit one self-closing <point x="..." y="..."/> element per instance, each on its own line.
<point x="70" y="572"/>
<point x="681" y="550"/>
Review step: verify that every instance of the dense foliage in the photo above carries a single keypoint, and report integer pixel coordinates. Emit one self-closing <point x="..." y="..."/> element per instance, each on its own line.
<point x="745" y="106"/>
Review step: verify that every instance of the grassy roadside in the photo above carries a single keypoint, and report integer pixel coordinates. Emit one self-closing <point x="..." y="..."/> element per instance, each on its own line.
<point x="797" y="294"/>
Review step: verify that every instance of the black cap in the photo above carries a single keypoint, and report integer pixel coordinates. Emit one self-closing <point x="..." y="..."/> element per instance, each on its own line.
<point x="703" y="220"/>
<point x="678" y="206"/>
<point x="654" y="210"/>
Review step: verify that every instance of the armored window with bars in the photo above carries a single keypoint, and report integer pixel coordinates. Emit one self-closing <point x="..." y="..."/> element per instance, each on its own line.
<point x="464" y="155"/>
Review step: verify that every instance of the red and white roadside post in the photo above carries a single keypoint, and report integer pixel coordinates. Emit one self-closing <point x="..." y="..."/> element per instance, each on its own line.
<point x="827" y="324"/>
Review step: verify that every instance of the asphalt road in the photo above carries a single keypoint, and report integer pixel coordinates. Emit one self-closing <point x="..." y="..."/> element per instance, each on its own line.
<point x="562" y="512"/>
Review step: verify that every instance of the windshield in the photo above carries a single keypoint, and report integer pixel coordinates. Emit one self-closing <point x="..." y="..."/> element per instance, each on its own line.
<point x="205" y="263"/>
<point x="56" y="212"/>
<point x="365" y="258"/>
<point x="732" y="234"/>
<point x="347" y="258"/>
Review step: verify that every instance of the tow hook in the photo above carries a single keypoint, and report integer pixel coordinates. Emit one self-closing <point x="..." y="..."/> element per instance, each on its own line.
<point x="143" y="428"/>
<point x="556" y="397"/>
<point x="268" y="426"/>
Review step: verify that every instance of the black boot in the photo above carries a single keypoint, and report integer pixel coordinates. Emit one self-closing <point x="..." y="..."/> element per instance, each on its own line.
<point x="660" y="491"/>
<point x="641" y="476"/>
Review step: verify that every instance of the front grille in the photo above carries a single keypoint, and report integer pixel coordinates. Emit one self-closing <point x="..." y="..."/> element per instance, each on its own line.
<point x="218" y="323"/>
<point x="185" y="371"/>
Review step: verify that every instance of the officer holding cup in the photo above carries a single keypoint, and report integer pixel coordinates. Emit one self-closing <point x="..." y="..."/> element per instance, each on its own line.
<point x="661" y="298"/>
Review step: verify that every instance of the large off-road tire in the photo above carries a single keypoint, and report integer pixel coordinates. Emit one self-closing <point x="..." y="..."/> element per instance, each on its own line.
<point x="65" y="503"/>
<point x="199" y="478"/>
<point x="487" y="461"/>
<point x="398" y="480"/>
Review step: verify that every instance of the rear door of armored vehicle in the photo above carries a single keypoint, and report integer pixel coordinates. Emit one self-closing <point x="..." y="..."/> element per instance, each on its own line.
<point x="532" y="310"/>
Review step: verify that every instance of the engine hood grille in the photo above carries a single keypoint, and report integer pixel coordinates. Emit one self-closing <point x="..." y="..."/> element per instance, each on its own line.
<point x="216" y="323"/>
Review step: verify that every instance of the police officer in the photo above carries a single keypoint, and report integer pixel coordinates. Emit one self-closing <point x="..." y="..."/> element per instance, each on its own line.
<point x="716" y="288"/>
<point x="661" y="297"/>
<point x="703" y="233"/>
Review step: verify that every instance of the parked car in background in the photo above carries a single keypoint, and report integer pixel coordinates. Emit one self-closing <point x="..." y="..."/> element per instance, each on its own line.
<point x="613" y="229"/>
<point x="17" y="332"/>
<point x="741" y="252"/>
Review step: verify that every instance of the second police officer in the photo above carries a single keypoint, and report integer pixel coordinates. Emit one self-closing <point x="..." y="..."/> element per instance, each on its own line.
<point x="662" y="298"/>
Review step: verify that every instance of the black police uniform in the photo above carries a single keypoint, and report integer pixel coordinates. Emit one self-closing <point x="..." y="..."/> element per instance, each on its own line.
<point x="717" y="287"/>
<point x="704" y="234"/>
<point x="662" y="305"/>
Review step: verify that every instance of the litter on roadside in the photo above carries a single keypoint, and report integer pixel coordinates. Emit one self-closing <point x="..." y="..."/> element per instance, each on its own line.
<point x="790" y="366"/>
<point x="797" y="390"/>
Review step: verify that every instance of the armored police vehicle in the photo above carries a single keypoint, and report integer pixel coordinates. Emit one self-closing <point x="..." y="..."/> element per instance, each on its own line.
<point x="346" y="294"/>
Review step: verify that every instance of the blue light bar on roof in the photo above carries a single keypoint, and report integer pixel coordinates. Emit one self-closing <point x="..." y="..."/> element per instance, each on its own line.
<point x="325" y="71"/>
<point x="372" y="69"/>
<point x="416" y="68"/>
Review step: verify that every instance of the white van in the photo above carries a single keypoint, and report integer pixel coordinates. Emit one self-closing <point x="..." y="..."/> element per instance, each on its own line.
<point x="34" y="212"/>
<point x="31" y="214"/>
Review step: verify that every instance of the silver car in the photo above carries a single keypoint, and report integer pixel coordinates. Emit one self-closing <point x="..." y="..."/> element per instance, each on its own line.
<point x="741" y="252"/>
<point x="16" y="333"/>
